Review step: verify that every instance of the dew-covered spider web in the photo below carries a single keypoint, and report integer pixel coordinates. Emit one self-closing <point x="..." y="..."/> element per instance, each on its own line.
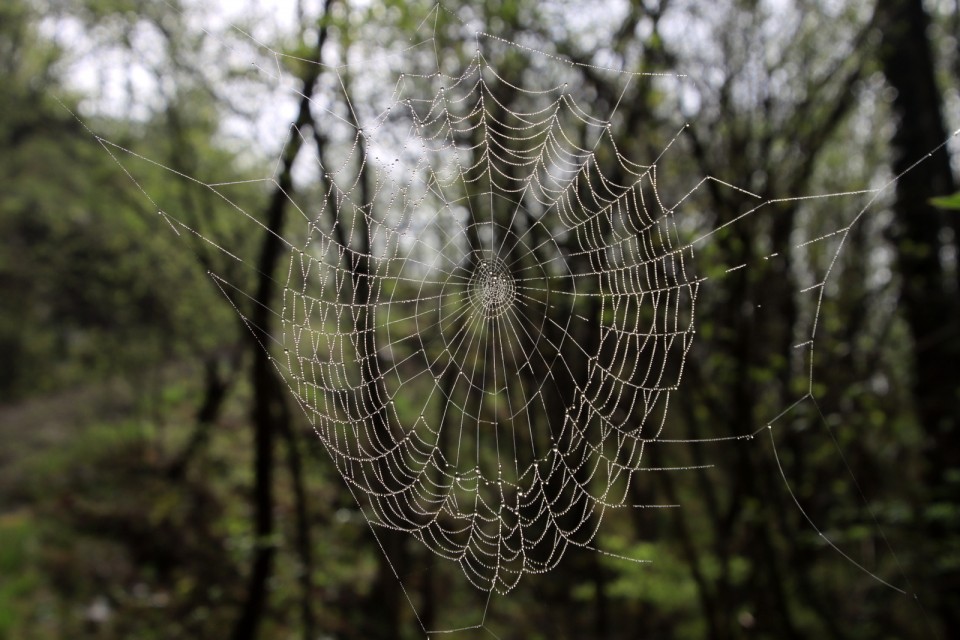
<point x="525" y="418"/>
<point x="487" y="307"/>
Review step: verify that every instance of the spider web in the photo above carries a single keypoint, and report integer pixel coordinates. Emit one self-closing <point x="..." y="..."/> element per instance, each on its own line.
<point x="488" y="312"/>
<point x="469" y="309"/>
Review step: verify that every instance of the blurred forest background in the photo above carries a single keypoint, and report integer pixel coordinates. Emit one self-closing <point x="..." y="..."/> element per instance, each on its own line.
<point x="156" y="481"/>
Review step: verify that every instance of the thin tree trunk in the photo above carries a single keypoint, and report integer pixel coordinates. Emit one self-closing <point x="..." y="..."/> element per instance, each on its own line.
<point x="269" y="411"/>
<point x="928" y="297"/>
<point x="304" y="543"/>
<point x="216" y="387"/>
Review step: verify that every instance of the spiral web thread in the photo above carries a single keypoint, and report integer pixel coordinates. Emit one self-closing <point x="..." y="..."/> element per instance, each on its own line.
<point x="486" y="322"/>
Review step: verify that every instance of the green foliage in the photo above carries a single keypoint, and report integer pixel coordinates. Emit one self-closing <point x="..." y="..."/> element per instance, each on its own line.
<point x="103" y="290"/>
<point x="947" y="202"/>
<point x="22" y="578"/>
<point x="99" y="285"/>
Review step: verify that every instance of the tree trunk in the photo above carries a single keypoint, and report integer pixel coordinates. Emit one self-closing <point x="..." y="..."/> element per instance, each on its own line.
<point x="269" y="411"/>
<point x="927" y="296"/>
<point x="267" y="414"/>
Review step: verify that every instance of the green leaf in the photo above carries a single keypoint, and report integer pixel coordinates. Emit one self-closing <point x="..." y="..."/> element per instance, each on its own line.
<point x="947" y="202"/>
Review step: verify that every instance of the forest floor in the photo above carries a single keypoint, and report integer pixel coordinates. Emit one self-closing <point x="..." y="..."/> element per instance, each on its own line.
<point x="100" y="539"/>
<point x="81" y="477"/>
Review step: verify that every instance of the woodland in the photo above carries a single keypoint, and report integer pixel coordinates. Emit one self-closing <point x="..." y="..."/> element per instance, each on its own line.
<point x="212" y="292"/>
